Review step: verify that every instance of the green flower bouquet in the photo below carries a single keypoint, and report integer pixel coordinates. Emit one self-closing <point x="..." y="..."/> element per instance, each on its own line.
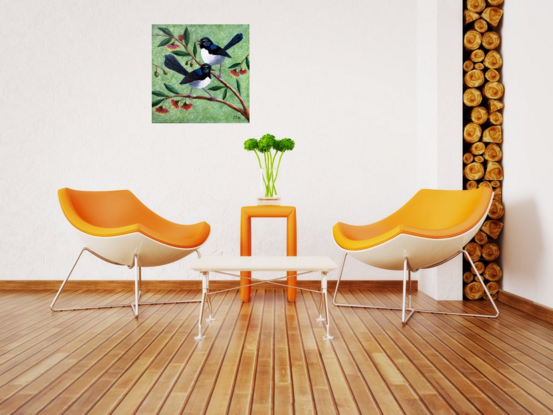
<point x="270" y="149"/>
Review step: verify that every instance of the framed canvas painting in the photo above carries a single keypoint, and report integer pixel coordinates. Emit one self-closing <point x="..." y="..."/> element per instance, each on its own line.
<point x="200" y="73"/>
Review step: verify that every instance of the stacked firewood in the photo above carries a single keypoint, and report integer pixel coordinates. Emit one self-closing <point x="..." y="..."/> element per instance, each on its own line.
<point x="483" y="137"/>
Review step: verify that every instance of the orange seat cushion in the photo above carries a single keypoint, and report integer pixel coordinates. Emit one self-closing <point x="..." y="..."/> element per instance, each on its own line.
<point x="119" y="212"/>
<point x="435" y="214"/>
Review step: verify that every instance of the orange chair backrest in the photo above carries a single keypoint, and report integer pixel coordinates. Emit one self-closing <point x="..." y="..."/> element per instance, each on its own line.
<point x="444" y="209"/>
<point x="119" y="212"/>
<point x="106" y="209"/>
<point x="434" y="214"/>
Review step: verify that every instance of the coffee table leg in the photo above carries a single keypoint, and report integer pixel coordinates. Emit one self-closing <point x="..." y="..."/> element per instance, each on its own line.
<point x="324" y="289"/>
<point x="321" y="305"/>
<point x="208" y="298"/>
<point x="205" y="287"/>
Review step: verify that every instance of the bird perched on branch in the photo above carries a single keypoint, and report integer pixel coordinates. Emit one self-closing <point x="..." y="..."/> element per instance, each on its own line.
<point x="197" y="79"/>
<point x="215" y="55"/>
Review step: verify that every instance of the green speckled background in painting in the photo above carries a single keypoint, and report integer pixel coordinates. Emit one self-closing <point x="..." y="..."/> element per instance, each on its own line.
<point x="202" y="111"/>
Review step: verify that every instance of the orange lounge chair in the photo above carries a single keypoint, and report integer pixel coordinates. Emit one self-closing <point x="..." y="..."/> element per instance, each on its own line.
<point x="117" y="228"/>
<point x="429" y="230"/>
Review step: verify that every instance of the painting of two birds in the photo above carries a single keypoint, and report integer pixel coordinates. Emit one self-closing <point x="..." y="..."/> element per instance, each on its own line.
<point x="200" y="73"/>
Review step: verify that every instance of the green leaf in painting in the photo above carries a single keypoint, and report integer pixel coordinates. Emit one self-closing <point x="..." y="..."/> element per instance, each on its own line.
<point x="171" y="88"/>
<point x="186" y="36"/>
<point x="234" y="65"/>
<point x="195" y="50"/>
<point x="158" y="94"/>
<point x="180" y="53"/>
<point x="216" y="88"/>
<point x="248" y="62"/>
<point x="157" y="102"/>
<point x="166" y="31"/>
<point x="165" y="42"/>
<point x="225" y="94"/>
<point x="238" y="86"/>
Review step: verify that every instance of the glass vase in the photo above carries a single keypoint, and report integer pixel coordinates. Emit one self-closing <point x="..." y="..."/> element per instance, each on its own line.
<point x="268" y="194"/>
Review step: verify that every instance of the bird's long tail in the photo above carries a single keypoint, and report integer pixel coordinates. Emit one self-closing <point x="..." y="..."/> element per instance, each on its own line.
<point x="172" y="63"/>
<point x="236" y="39"/>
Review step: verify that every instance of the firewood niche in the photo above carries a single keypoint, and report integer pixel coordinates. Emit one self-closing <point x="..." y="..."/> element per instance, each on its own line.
<point x="483" y="137"/>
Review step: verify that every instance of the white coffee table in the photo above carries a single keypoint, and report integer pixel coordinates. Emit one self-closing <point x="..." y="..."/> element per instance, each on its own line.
<point x="228" y="265"/>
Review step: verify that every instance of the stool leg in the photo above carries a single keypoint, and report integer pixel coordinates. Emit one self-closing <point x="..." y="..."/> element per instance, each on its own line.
<point x="324" y="289"/>
<point x="292" y="282"/>
<point x="245" y="288"/>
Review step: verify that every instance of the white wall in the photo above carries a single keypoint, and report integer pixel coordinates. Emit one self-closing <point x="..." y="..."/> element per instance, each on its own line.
<point x="440" y="121"/>
<point x="338" y="77"/>
<point x="527" y="239"/>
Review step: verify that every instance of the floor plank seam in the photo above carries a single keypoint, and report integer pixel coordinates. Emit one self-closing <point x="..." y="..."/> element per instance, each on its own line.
<point x="341" y="310"/>
<point x="150" y="314"/>
<point x="202" y="364"/>
<point x="101" y="394"/>
<point x="123" y="313"/>
<point x="190" y="318"/>
<point x="69" y="368"/>
<point x="455" y="319"/>
<point x="319" y="354"/>
<point x="256" y="360"/>
<point x="367" y="312"/>
<point x="331" y="344"/>
<point x="405" y="329"/>
<point x="220" y="364"/>
<point x="432" y="322"/>
<point x="46" y="345"/>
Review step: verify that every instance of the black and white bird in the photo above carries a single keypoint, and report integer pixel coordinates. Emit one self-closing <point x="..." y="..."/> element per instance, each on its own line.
<point x="215" y="55"/>
<point x="197" y="79"/>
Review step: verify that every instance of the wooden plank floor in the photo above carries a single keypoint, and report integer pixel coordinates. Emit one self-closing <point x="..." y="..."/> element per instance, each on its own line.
<point x="268" y="356"/>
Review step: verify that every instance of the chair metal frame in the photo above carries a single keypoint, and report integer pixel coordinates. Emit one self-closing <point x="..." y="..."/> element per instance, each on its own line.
<point x="407" y="297"/>
<point x="137" y="292"/>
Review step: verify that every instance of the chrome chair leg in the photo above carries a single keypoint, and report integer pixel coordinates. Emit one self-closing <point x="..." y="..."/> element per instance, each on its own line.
<point x="63" y="283"/>
<point x="484" y="286"/>
<point x="339" y="279"/>
<point x="137" y="286"/>
<point x="406" y="276"/>
<point x="410" y="288"/>
<point x="324" y="289"/>
<point x="139" y="282"/>
<point x="404" y="308"/>
<point x="350" y="304"/>
<point x="134" y="307"/>
<point x="451" y="313"/>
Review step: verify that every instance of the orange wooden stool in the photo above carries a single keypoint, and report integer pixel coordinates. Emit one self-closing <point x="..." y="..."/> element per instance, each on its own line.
<point x="249" y="212"/>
